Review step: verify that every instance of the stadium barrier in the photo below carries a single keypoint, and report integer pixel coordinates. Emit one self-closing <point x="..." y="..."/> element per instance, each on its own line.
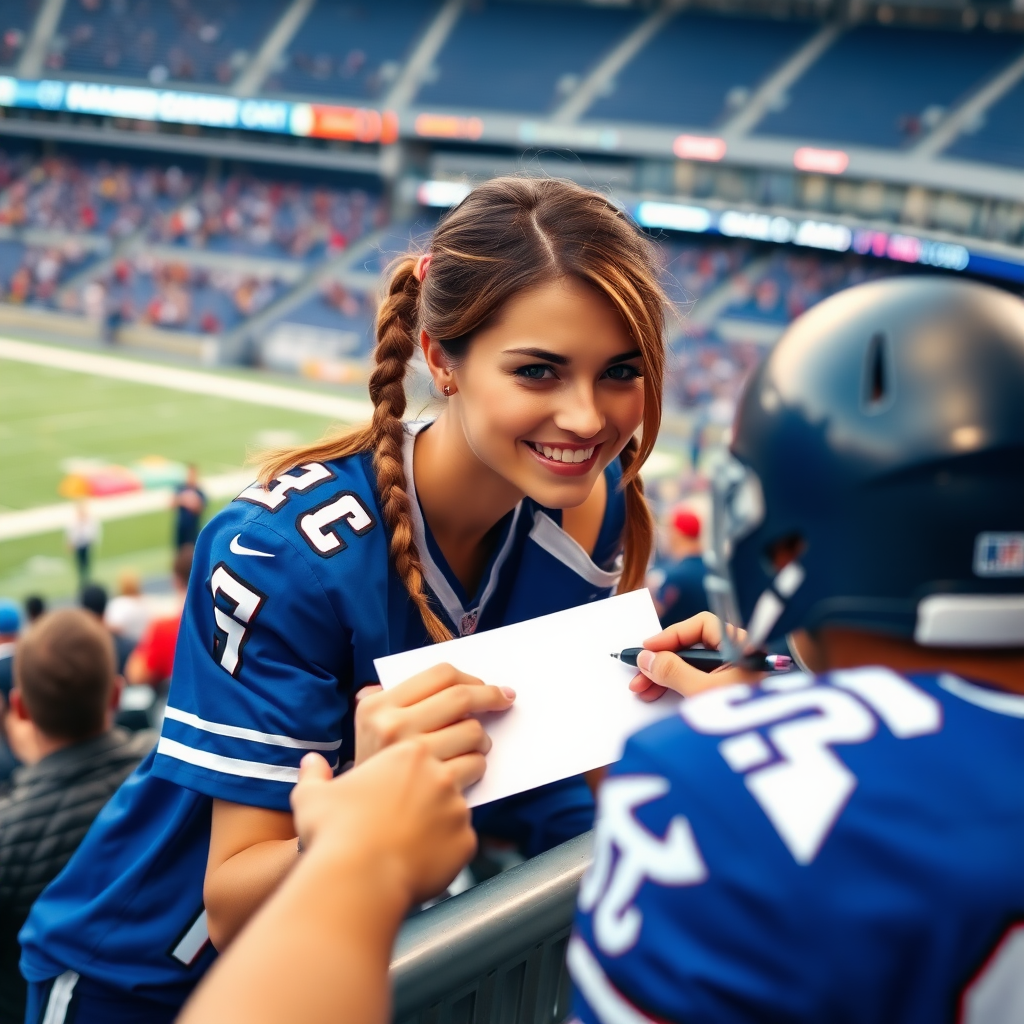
<point x="494" y="954"/>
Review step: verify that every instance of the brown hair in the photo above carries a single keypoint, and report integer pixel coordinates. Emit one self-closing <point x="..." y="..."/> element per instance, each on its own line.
<point x="507" y="235"/>
<point x="64" y="667"/>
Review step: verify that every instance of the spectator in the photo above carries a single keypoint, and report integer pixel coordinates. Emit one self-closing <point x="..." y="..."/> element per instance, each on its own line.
<point x="190" y="503"/>
<point x="82" y="534"/>
<point x="94" y="599"/>
<point x="678" y="587"/>
<point x="64" y="698"/>
<point x="127" y="615"/>
<point x="152" y="660"/>
<point x="10" y="624"/>
<point x="34" y="607"/>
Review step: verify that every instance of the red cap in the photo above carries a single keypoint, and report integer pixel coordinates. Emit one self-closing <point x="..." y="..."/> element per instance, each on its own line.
<point x="686" y="523"/>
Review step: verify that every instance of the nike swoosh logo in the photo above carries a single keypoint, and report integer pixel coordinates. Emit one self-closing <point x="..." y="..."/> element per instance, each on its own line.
<point x="238" y="549"/>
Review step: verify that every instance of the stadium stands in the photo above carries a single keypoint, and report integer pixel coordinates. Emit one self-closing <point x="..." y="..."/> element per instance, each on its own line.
<point x="352" y="50"/>
<point x="887" y="85"/>
<point x="998" y="138"/>
<point x="264" y="217"/>
<point x="16" y="20"/>
<point x="183" y="40"/>
<point x="499" y="58"/>
<point x="698" y="69"/>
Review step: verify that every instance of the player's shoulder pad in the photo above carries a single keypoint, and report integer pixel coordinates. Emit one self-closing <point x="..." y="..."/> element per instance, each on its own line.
<point x="319" y="507"/>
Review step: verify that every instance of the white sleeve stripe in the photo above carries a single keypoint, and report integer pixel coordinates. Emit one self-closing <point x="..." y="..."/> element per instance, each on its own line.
<point x="609" y="1005"/>
<point x="238" y="733"/>
<point x="227" y="765"/>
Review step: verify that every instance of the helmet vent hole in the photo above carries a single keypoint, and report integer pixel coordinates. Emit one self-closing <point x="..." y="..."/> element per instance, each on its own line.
<point x="878" y="385"/>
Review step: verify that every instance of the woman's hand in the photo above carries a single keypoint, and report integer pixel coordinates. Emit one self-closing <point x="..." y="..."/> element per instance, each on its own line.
<point x="403" y="810"/>
<point x="437" y="705"/>
<point x="661" y="670"/>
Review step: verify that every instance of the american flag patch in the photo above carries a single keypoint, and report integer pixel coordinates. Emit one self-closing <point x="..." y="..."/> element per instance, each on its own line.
<point x="999" y="554"/>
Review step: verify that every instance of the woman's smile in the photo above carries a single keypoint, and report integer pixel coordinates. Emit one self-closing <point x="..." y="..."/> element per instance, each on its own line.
<point x="564" y="458"/>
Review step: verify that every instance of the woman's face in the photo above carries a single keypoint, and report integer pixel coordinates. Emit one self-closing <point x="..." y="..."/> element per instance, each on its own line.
<point x="551" y="393"/>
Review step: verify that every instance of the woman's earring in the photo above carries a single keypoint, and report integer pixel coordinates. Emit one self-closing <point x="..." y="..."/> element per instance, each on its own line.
<point x="447" y="391"/>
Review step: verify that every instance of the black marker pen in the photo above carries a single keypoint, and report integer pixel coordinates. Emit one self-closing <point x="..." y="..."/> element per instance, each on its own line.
<point x="708" y="660"/>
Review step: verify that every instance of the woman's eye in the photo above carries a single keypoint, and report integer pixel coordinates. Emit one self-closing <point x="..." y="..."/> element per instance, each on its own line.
<point x="623" y="371"/>
<point x="535" y="372"/>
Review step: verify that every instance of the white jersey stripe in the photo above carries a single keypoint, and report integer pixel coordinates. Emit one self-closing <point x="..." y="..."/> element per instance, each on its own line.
<point x="192" y="942"/>
<point x="60" y="997"/>
<point x="227" y="765"/>
<point x="238" y="733"/>
<point x="610" y="1006"/>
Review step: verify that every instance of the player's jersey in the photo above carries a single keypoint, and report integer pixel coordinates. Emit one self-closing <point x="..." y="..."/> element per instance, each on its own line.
<point x="846" y="849"/>
<point x="292" y="596"/>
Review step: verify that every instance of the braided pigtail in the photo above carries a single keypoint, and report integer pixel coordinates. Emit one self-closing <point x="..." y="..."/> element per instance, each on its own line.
<point x="397" y="320"/>
<point x="638" y="537"/>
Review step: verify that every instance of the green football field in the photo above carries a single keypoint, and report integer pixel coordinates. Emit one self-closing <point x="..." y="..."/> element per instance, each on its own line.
<point x="48" y="416"/>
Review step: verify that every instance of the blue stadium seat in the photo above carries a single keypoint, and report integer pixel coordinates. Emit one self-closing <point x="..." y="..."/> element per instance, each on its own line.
<point x="875" y="84"/>
<point x="16" y="20"/>
<point x="351" y="50"/>
<point x="188" y="41"/>
<point x="506" y="56"/>
<point x="686" y="72"/>
<point x="1000" y="139"/>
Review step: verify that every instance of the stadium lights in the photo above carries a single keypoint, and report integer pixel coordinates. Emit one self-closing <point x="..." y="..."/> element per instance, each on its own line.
<point x="673" y="216"/>
<point x="821" y="161"/>
<point x="447" y="126"/>
<point x="699" y="147"/>
<point x="442" y="193"/>
<point x="765" y="227"/>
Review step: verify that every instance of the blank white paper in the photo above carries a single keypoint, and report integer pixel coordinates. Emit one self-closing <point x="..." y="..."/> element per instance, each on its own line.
<point x="573" y="710"/>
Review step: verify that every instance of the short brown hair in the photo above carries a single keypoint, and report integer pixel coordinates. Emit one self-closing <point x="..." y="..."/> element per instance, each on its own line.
<point x="64" y="667"/>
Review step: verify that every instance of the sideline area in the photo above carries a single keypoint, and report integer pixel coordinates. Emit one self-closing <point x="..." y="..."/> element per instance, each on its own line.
<point x="347" y="410"/>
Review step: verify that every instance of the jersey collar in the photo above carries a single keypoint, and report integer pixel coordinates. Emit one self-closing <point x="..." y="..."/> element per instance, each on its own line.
<point x="464" y="619"/>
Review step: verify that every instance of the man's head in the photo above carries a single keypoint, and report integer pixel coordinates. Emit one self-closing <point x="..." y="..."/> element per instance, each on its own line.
<point x="34" y="607"/>
<point x="129" y="584"/>
<point x="192" y="475"/>
<point x="684" y="533"/>
<point x="65" y="677"/>
<point x="876" y="476"/>
<point x="10" y="620"/>
<point x="94" y="599"/>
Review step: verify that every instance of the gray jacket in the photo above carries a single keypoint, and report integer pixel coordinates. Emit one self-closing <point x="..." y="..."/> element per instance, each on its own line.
<point x="43" y="817"/>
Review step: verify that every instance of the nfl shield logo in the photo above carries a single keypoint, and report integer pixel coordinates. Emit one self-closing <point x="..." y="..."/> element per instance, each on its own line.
<point x="467" y="624"/>
<point x="999" y="554"/>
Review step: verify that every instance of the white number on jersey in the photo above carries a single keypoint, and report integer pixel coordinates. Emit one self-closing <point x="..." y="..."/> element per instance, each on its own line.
<point x="796" y="777"/>
<point x="996" y="994"/>
<point x="611" y="883"/>
<point x="232" y="626"/>
<point x="274" y="496"/>
<point x="342" y="508"/>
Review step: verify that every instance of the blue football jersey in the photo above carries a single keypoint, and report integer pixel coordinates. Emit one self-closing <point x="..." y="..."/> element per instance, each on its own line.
<point x="843" y="849"/>
<point x="291" y="598"/>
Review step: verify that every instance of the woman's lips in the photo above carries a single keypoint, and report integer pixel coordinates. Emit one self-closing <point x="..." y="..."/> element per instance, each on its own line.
<point x="564" y="460"/>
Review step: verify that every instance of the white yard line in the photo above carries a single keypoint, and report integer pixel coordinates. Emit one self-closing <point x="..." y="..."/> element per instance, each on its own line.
<point x="347" y="410"/>
<point x="29" y="522"/>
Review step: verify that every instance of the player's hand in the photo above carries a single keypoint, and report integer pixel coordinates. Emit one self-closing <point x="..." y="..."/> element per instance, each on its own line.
<point x="439" y="705"/>
<point x="661" y="670"/>
<point x="403" y="810"/>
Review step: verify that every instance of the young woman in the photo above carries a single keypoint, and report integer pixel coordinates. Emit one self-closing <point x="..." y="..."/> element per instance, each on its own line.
<point x="538" y="313"/>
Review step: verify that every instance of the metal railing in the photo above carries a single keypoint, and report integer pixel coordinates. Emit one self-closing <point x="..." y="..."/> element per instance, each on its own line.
<point x="494" y="954"/>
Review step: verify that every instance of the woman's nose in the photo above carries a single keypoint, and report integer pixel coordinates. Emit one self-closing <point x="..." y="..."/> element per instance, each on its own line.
<point x="580" y="414"/>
